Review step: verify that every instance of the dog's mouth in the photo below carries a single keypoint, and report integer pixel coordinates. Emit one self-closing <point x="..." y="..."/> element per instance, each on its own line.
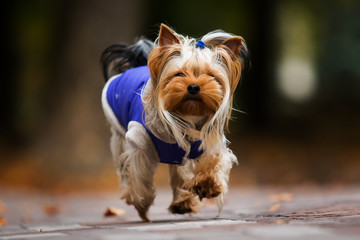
<point x="193" y="98"/>
<point x="193" y="106"/>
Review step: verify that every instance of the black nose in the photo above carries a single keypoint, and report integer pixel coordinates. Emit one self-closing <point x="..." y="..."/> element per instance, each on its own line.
<point x="193" y="89"/>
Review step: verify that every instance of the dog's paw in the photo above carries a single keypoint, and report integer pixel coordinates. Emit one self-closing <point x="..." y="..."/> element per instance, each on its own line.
<point x="143" y="213"/>
<point x="207" y="188"/>
<point x="181" y="207"/>
<point x="188" y="204"/>
<point x="142" y="207"/>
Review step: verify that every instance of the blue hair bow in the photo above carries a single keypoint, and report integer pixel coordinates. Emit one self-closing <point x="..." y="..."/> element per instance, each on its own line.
<point x="200" y="44"/>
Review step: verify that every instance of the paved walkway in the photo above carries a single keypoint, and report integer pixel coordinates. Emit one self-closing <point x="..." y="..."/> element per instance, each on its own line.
<point x="249" y="213"/>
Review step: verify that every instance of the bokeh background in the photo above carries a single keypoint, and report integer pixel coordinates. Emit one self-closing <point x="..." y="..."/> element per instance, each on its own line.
<point x="301" y="92"/>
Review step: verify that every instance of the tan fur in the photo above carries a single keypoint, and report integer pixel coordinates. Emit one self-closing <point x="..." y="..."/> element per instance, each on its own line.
<point x="136" y="171"/>
<point x="174" y="115"/>
<point x="177" y="99"/>
<point x="184" y="200"/>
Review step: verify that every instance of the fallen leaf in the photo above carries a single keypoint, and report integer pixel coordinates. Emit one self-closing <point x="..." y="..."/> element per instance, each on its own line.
<point x="50" y="209"/>
<point x="2" y="221"/>
<point x="279" y="221"/>
<point x="282" y="197"/>
<point x="111" y="211"/>
<point x="274" y="207"/>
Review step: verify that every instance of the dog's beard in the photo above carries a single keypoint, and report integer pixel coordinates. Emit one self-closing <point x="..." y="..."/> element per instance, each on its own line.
<point x="192" y="116"/>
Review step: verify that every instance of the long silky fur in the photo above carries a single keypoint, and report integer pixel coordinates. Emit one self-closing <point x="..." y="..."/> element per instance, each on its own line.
<point x="212" y="133"/>
<point x="136" y="166"/>
<point x="135" y="171"/>
<point x="213" y="130"/>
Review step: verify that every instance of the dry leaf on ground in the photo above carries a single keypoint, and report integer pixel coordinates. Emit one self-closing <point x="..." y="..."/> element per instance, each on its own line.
<point x="50" y="210"/>
<point x="274" y="207"/>
<point x="279" y="221"/>
<point x="2" y="221"/>
<point x="111" y="211"/>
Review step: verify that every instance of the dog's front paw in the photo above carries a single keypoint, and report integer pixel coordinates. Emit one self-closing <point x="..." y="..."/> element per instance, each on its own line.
<point x="188" y="203"/>
<point x="142" y="206"/>
<point x="207" y="188"/>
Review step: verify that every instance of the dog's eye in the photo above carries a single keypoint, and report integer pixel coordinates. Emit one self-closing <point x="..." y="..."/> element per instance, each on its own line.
<point x="179" y="74"/>
<point x="211" y="75"/>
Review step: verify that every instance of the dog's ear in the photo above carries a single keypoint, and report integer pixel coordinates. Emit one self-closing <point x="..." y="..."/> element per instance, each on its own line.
<point x="233" y="45"/>
<point x="167" y="36"/>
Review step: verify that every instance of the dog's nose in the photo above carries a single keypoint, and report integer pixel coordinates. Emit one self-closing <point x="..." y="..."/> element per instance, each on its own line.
<point x="193" y="89"/>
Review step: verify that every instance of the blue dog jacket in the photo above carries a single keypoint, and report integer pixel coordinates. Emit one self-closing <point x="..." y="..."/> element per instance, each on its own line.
<point x="124" y="98"/>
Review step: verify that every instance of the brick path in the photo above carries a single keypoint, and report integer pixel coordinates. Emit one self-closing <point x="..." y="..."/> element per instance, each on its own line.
<point x="249" y="213"/>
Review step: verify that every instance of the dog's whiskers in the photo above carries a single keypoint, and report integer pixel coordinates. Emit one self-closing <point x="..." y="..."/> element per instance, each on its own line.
<point x="239" y="111"/>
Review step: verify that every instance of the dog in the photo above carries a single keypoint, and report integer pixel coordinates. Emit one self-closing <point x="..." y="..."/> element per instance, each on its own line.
<point x="170" y="101"/>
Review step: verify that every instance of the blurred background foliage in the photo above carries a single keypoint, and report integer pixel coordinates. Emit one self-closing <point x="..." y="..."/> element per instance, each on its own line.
<point x="301" y="92"/>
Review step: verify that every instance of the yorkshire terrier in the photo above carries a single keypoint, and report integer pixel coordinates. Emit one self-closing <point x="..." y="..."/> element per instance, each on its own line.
<point x="169" y="101"/>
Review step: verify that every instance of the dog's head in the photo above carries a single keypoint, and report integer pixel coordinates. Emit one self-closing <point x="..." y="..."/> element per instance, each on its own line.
<point x="195" y="79"/>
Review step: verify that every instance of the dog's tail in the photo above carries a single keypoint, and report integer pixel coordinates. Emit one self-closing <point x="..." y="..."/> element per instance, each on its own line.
<point x="119" y="57"/>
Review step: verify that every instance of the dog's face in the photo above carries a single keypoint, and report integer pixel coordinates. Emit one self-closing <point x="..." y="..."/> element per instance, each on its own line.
<point x="188" y="80"/>
<point x="192" y="90"/>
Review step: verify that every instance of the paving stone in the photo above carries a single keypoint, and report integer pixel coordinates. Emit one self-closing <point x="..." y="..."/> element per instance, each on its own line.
<point x="249" y="213"/>
<point x="57" y="227"/>
<point x="118" y="234"/>
<point x="11" y="229"/>
<point x="33" y="236"/>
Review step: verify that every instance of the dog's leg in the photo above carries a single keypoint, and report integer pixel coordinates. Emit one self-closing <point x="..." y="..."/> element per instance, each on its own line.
<point x="184" y="200"/>
<point x="136" y="170"/>
<point x="137" y="175"/>
<point x="212" y="175"/>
